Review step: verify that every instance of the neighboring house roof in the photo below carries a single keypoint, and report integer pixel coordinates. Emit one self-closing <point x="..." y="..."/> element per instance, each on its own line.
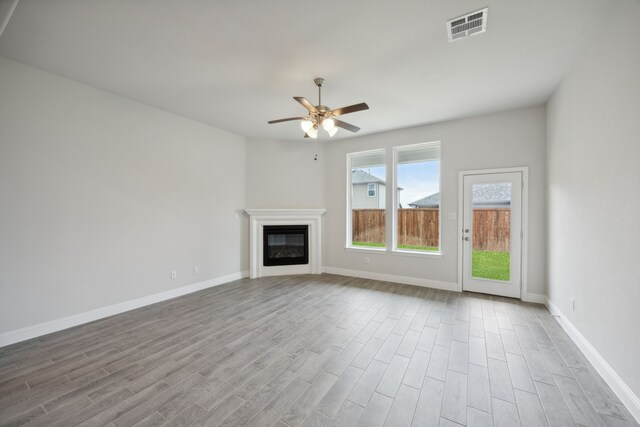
<point x="432" y="201"/>
<point x="492" y="194"/>
<point x="486" y="195"/>
<point x="361" y="177"/>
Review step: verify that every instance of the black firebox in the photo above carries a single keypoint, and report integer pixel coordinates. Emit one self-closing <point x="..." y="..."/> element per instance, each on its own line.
<point x="285" y="245"/>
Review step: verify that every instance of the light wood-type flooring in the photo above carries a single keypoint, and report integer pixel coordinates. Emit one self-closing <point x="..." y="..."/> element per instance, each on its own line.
<point x="309" y="350"/>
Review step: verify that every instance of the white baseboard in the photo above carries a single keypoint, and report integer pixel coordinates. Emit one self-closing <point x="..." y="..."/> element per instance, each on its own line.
<point x="44" y="328"/>
<point x="605" y="370"/>
<point x="436" y="284"/>
<point x="536" y="298"/>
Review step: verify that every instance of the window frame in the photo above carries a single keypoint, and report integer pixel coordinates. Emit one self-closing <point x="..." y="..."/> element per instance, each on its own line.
<point x="391" y="202"/>
<point x="349" y="230"/>
<point x="395" y="203"/>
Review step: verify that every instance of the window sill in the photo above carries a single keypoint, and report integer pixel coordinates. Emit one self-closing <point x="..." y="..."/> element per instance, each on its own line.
<point x="365" y="249"/>
<point x="396" y="252"/>
<point x="400" y="252"/>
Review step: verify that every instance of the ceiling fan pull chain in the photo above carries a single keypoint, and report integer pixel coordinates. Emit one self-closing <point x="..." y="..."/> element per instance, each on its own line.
<point x="315" y="145"/>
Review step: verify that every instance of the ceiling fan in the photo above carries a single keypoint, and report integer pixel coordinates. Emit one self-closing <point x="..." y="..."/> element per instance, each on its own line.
<point x="321" y="115"/>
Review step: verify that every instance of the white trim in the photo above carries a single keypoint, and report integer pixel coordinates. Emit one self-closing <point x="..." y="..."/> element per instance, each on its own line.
<point x="349" y="193"/>
<point x="524" y="266"/>
<point x="620" y="388"/>
<point x="55" y="325"/>
<point x="391" y="232"/>
<point x="366" y="249"/>
<point x="416" y="253"/>
<point x="397" y="252"/>
<point x="415" y="281"/>
<point x="285" y="213"/>
<point x="535" y="298"/>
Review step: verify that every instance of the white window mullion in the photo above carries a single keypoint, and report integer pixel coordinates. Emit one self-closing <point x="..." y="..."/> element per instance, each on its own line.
<point x="393" y="224"/>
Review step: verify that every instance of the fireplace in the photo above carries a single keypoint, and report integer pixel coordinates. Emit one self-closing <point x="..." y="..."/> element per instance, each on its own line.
<point x="261" y="222"/>
<point x="285" y="245"/>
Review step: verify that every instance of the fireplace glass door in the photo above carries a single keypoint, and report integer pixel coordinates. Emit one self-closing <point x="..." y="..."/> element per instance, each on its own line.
<point x="285" y="245"/>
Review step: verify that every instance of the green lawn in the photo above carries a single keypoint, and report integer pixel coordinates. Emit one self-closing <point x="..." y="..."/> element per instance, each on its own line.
<point x="369" y="244"/>
<point x="490" y="265"/>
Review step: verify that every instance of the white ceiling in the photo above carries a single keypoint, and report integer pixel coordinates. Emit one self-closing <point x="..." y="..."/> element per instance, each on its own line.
<point x="236" y="64"/>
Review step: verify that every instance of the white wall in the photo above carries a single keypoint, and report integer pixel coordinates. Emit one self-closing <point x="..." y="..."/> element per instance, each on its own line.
<point x="284" y="174"/>
<point x="101" y="197"/>
<point x="593" y="161"/>
<point x="513" y="138"/>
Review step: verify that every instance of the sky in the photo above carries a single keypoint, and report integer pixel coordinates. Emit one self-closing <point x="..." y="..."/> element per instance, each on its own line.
<point x="417" y="180"/>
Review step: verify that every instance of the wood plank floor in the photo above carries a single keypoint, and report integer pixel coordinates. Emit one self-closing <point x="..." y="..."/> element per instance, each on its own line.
<point x="310" y="351"/>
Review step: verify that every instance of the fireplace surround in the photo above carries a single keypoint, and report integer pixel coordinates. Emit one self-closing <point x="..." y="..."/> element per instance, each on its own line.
<point x="261" y="218"/>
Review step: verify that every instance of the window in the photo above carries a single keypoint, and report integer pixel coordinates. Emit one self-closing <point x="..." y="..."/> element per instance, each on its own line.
<point x="414" y="201"/>
<point x="366" y="199"/>
<point x="417" y="207"/>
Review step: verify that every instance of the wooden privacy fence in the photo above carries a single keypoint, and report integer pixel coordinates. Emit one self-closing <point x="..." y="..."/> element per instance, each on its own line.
<point x="367" y="225"/>
<point x="491" y="229"/>
<point x="419" y="227"/>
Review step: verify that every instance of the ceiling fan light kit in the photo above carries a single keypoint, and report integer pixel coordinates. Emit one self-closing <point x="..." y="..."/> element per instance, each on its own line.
<point x="313" y="132"/>
<point x="329" y="124"/>
<point x="306" y="125"/>
<point x="321" y="115"/>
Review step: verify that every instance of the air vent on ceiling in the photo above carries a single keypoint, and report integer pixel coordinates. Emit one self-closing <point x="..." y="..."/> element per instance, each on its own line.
<point x="467" y="25"/>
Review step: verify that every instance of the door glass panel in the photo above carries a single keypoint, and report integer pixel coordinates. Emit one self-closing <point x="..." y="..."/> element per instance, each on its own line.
<point x="491" y="253"/>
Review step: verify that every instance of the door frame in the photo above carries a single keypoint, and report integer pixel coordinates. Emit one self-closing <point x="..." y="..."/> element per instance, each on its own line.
<point x="524" y="261"/>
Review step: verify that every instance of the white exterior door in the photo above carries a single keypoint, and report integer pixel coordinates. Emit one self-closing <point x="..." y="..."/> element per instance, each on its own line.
<point x="492" y="233"/>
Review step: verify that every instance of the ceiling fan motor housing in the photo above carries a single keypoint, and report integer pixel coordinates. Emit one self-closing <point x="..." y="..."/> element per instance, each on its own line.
<point x="324" y="112"/>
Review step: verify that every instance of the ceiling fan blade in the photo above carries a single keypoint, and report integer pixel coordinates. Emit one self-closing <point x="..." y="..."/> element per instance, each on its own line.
<point x="350" y="109"/>
<point x="345" y="125"/>
<point x="306" y="104"/>
<point x="285" y="120"/>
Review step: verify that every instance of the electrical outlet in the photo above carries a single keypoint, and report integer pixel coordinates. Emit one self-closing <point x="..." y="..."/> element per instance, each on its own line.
<point x="573" y="304"/>
<point x="174" y="274"/>
<point x="367" y="260"/>
<point x="195" y="270"/>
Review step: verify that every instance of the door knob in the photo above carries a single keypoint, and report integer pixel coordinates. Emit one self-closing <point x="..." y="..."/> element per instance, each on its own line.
<point x="466" y="239"/>
<point x="466" y="230"/>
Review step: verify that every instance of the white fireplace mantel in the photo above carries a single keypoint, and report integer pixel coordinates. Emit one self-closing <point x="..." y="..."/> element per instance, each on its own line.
<point x="258" y="218"/>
